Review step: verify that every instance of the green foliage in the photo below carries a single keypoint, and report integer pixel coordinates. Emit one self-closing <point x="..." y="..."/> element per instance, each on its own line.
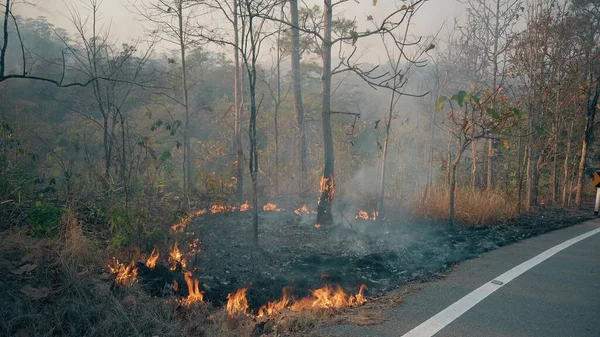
<point x="461" y="98"/>
<point x="44" y="218"/>
<point x="132" y="228"/>
<point x="440" y="103"/>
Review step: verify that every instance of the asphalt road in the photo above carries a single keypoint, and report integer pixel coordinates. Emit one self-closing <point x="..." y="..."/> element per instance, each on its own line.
<point x="558" y="297"/>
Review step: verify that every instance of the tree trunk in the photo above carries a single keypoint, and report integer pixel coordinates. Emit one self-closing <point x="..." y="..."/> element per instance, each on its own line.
<point x="473" y="163"/>
<point x="532" y="159"/>
<point x="276" y="117"/>
<point x="430" y="154"/>
<point x="297" y="89"/>
<point x="520" y="160"/>
<point x="187" y="167"/>
<point x="554" y="179"/>
<point x="587" y="137"/>
<point x="237" y="101"/>
<point x="565" y="187"/>
<point x="452" y="182"/>
<point x="381" y="194"/>
<point x="324" y="216"/>
<point x="490" y="163"/>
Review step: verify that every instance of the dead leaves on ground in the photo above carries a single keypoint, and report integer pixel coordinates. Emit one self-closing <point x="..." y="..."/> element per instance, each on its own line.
<point x="24" y="269"/>
<point x="35" y="293"/>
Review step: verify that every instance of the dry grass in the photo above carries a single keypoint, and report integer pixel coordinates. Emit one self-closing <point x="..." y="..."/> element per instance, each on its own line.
<point x="473" y="207"/>
<point x="75" y="301"/>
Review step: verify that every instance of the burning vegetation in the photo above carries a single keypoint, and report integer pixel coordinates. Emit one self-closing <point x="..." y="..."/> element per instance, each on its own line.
<point x="237" y="303"/>
<point x="126" y="275"/>
<point x="195" y="295"/>
<point x="329" y="297"/>
<point x="151" y="261"/>
<point x="364" y="215"/>
<point x="270" y="207"/>
<point x="176" y="257"/>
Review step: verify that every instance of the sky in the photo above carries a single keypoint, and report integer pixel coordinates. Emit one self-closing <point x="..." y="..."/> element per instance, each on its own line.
<point x="126" y="27"/>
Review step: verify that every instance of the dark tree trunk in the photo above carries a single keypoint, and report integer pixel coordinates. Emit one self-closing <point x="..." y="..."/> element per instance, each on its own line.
<point x="324" y="216"/>
<point x="297" y="88"/>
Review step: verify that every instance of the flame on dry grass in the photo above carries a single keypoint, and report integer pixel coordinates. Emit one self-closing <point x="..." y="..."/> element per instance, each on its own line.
<point x="151" y="261"/>
<point x="272" y="308"/>
<point x="364" y="215"/>
<point x="244" y="207"/>
<point x="327" y="297"/>
<point x="270" y="207"/>
<point x="330" y="297"/>
<point x="126" y="275"/>
<point x="303" y="210"/>
<point x="181" y="225"/>
<point x="220" y="208"/>
<point x="193" y="285"/>
<point x="237" y="303"/>
<point x="194" y="247"/>
<point x="176" y="256"/>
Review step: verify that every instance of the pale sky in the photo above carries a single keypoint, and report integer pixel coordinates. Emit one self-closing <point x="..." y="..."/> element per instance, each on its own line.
<point x="125" y="27"/>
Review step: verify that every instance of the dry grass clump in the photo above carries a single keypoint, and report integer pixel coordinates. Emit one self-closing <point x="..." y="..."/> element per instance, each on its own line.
<point x="473" y="207"/>
<point x="51" y="287"/>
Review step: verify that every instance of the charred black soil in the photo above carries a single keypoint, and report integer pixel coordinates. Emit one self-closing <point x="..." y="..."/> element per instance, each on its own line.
<point x="292" y="252"/>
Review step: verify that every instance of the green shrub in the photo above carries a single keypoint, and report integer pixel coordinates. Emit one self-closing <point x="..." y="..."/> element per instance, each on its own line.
<point x="132" y="228"/>
<point x="44" y="218"/>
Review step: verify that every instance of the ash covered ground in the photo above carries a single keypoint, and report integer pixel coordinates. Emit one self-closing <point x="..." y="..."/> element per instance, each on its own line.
<point x="384" y="257"/>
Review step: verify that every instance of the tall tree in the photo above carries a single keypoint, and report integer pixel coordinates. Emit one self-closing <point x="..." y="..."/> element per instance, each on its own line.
<point x="588" y="16"/>
<point x="175" y="21"/>
<point x="297" y="89"/>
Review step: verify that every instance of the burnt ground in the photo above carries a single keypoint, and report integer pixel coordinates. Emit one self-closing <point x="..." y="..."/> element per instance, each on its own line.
<point x="384" y="257"/>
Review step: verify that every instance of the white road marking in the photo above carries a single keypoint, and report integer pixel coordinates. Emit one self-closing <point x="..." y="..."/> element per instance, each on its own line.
<point x="446" y="316"/>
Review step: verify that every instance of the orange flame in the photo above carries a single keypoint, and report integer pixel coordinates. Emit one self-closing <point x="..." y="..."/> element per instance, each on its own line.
<point x="151" y="261"/>
<point x="244" y="207"/>
<point x="195" y="295"/>
<point x="237" y="303"/>
<point x="176" y="256"/>
<point x="194" y="247"/>
<point x="272" y="308"/>
<point x="181" y="225"/>
<point x="327" y="297"/>
<point x="269" y="207"/>
<point x="328" y="185"/>
<point x="219" y="208"/>
<point x="303" y="210"/>
<point x="364" y="215"/>
<point x="330" y="297"/>
<point x="126" y="275"/>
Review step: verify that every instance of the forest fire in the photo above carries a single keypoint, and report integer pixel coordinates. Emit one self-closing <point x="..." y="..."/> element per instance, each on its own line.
<point x="303" y="210"/>
<point x="125" y="275"/>
<point x="181" y="225"/>
<point x="328" y="185"/>
<point x="237" y="303"/>
<point x="151" y="261"/>
<point x="364" y="215"/>
<point x="270" y="207"/>
<point x="272" y="308"/>
<point x="195" y="295"/>
<point x="330" y="297"/>
<point x="219" y="208"/>
<point x="244" y="207"/>
<point x="176" y="256"/>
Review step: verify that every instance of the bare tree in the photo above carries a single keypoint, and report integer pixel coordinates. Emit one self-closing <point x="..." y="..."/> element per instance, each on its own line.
<point x="174" y="21"/>
<point x="589" y="34"/>
<point x="25" y="70"/>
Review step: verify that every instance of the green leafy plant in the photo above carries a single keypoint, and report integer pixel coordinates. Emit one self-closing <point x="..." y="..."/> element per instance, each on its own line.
<point x="44" y="218"/>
